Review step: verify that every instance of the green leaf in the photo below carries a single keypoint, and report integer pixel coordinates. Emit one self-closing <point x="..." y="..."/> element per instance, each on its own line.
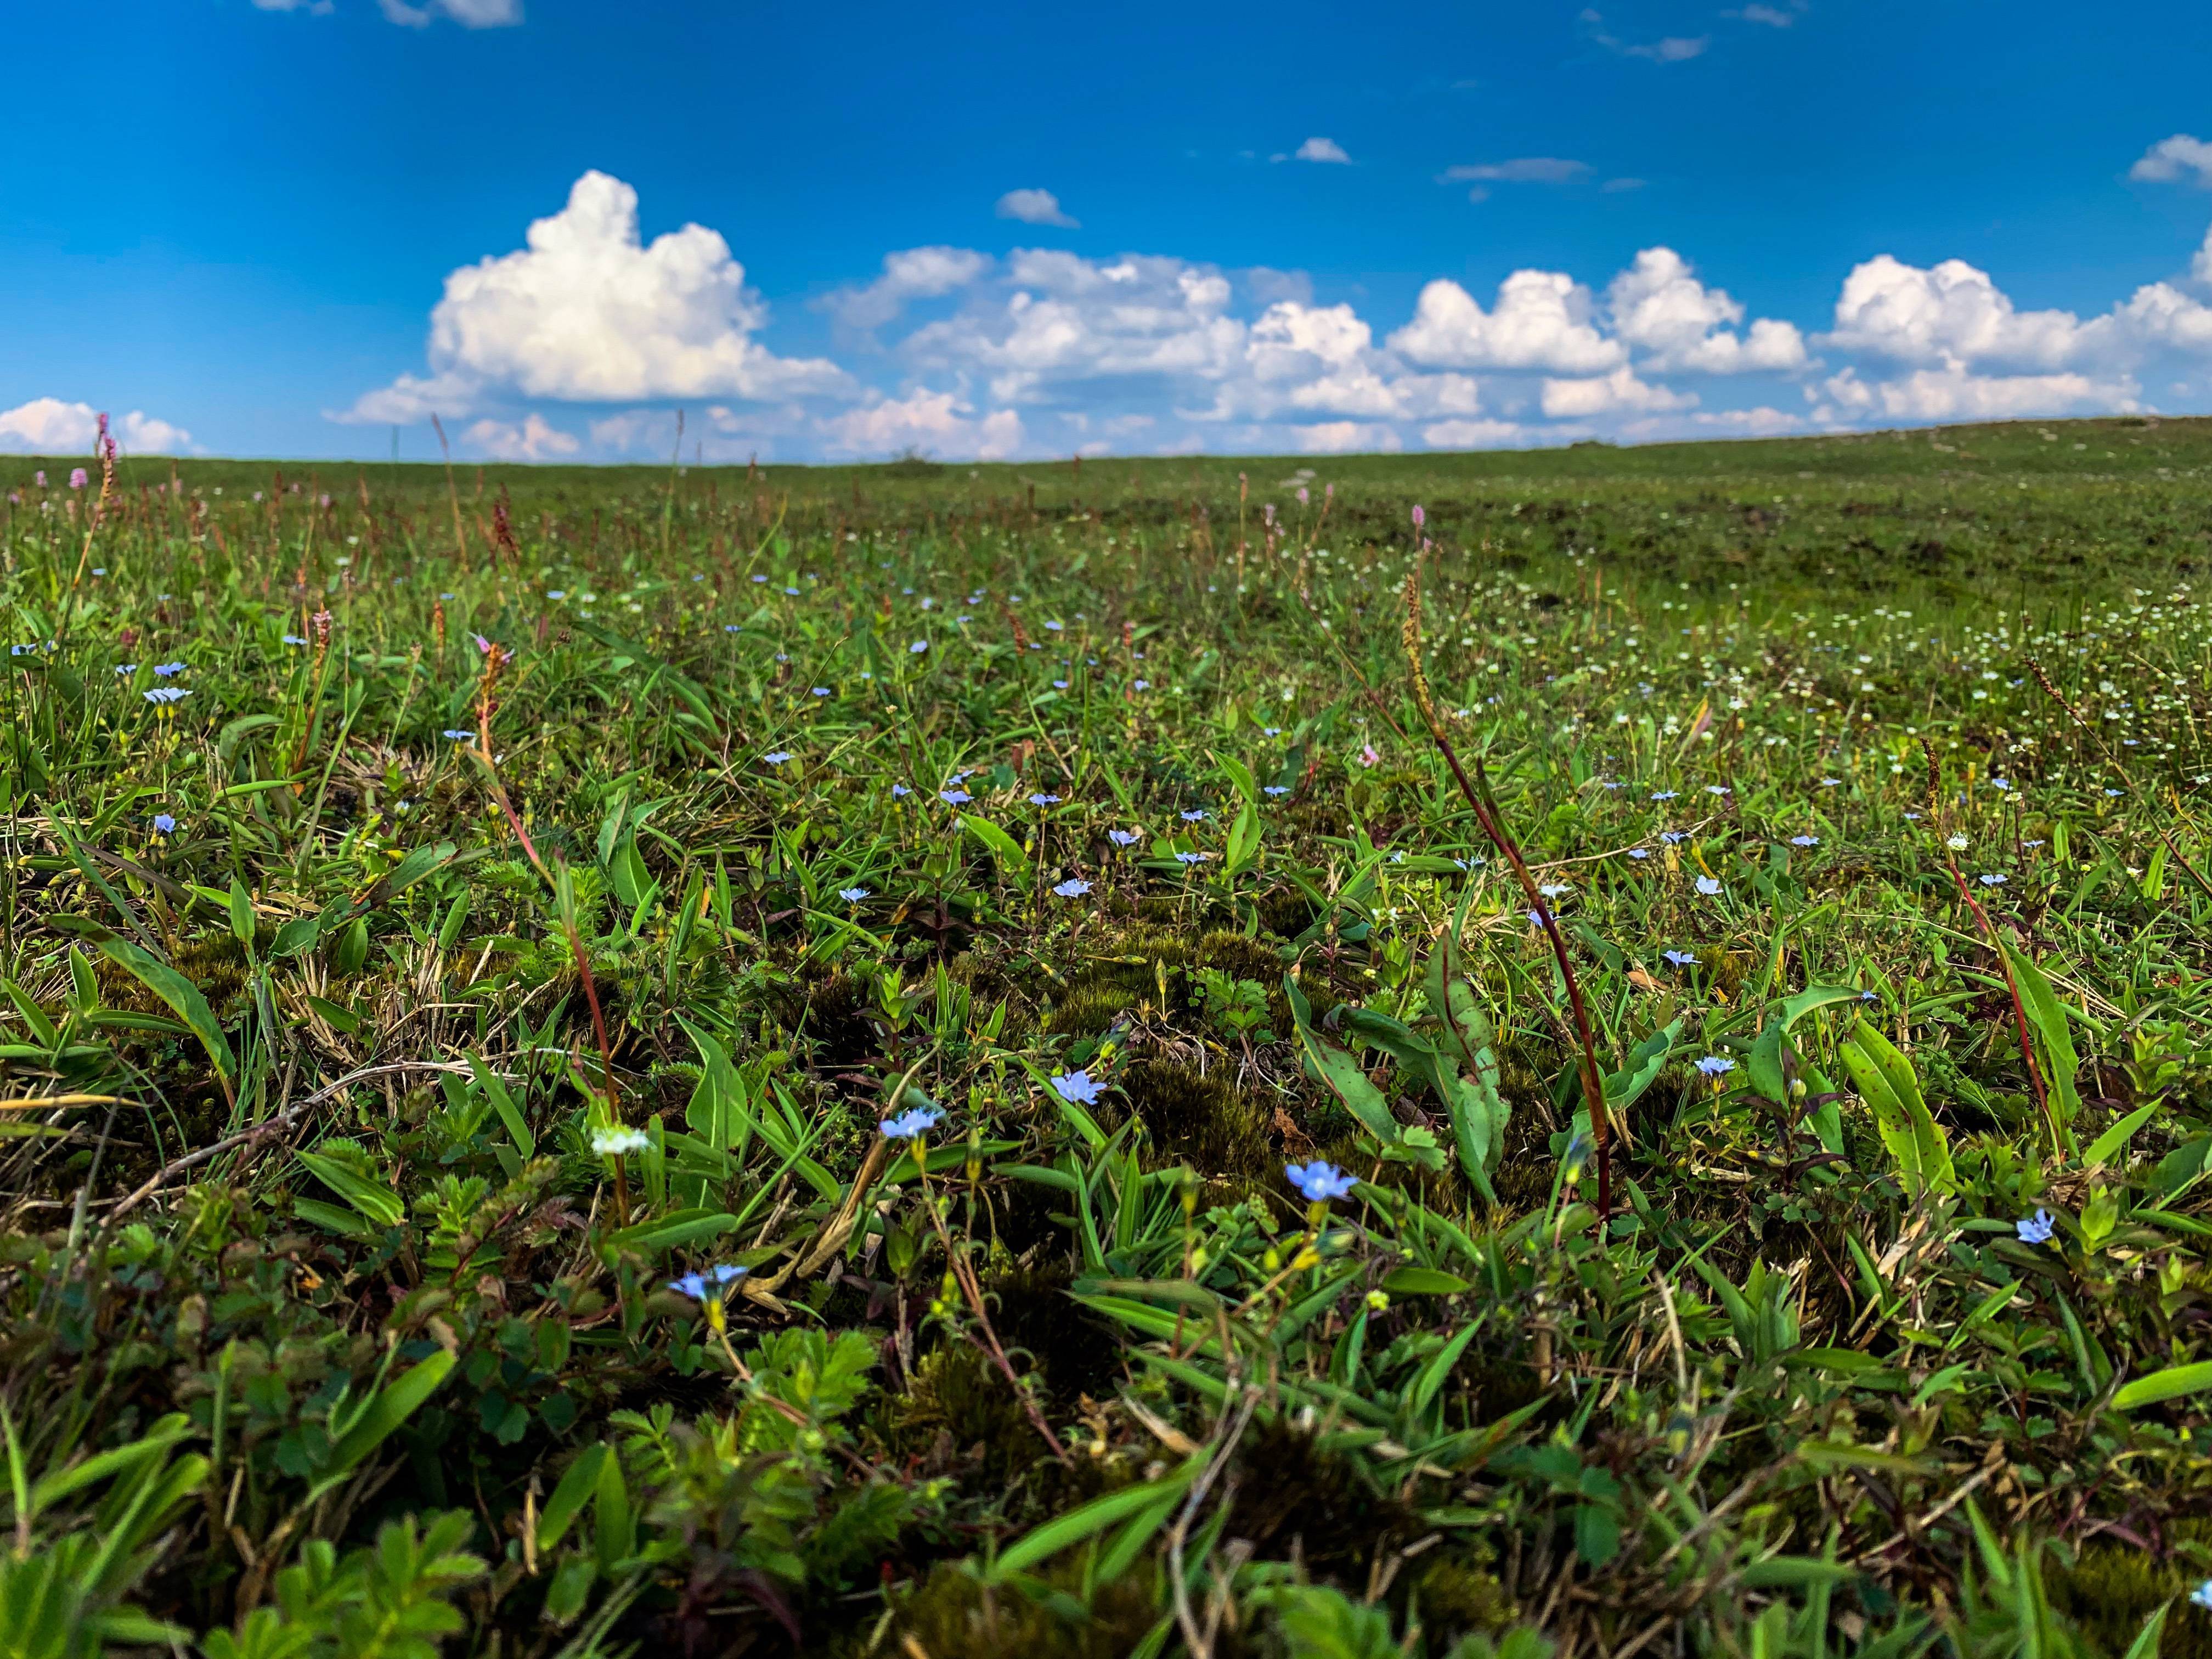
<point x="1340" y="1072"/>
<point x="418" y="864"/>
<point x="2109" y="1145"/>
<point x="179" y="992"/>
<point x="667" y="1232"/>
<point x="2169" y="1385"/>
<point x="395" y="1402"/>
<point x="1645" y="1061"/>
<point x="1423" y="1281"/>
<point x="1013" y="863"/>
<point x="378" y="1203"/>
<point x="1092" y="1518"/>
<point x="2047" y="1014"/>
<point x="1884" y="1079"/>
<point x="569" y="1497"/>
<point x="1764" y="1067"/>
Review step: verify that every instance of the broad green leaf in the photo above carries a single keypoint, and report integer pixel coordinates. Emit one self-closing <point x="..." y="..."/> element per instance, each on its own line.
<point x="2169" y="1385"/>
<point x="1088" y="1521"/>
<point x="395" y="1402"/>
<point x="667" y="1232"/>
<point x="179" y="992"/>
<point x="2047" y="1014"/>
<point x="378" y="1204"/>
<point x="1013" y="863"/>
<point x="1423" y="1281"/>
<point x="1884" y="1079"/>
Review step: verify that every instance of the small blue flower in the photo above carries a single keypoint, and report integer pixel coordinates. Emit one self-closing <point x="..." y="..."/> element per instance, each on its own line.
<point x="1674" y="837"/>
<point x="1053" y="626"/>
<point x="1073" y="887"/>
<point x="294" y="639"/>
<point x="820" y="690"/>
<point x="1195" y="815"/>
<point x="1665" y="794"/>
<point x="1804" y="841"/>
<point x="2035" y="1229"/>
<point x="955" y="797"/>
<point x="852" y="894"/>
<point x="1044" y="799"/>
<point x="1271" y="730"/>
<point x="1319" y="1181"/>
<point x="1060" y="685"/>
<point x="900" y="792"/>
<point x="1716" y="789"/>
<point x="1144" y="685"/>
<point x="126" y="669"/>
<point x="1192" y="858"/>
<point x="1990" y="880"/>
<point x="710" y="1285"/>
<point x="775" y="757"/>
<point x="1122" y="838"/>
<point x="1275" y="789"/>
<point x="1715" y="1065"/>
<point x="1709" y="885"/>
<point x="2201" y="1595"/>
<point x="919" y="647"/>
<point x="907" y="1124"/>
<point x="1681" y="959"/>
<point x="1830" y="783"/>
<point x="166" y="669"/>
<point x="1077" y="1088"/>
<point x="1639" y="854"/>
<point x="458" y="735"/>
<point x="166" y="694"/>
<point x="163" y="824"/>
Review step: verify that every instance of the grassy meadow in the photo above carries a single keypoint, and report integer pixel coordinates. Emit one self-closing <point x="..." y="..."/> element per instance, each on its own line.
<point x="702" y="1060"/>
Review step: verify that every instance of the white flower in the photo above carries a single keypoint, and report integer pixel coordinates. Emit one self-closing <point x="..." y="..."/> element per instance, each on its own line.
<point x="614" y="1143"/>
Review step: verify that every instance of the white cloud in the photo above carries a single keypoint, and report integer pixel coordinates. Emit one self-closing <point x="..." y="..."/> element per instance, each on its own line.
<point x="1521" y="170"/>
<point x="1543" y="320"/>
<point x="47" y="426"/>
<point x="1773" y="16"/>
<point x="532" y="440"/>
<point x="1035" y="207"/>
<point x="915" y="273"/>
<point x="588" y="313"/>
<point x="934" y="423"/>
<point x="1346" y="438"/>
<point x="313" y="8"/>
<point x="1659" y="308"/>
<point x="1611" y="394"/>
<point x="1951" y="315"/>
<point x="1673" y="49"/>
<point x="2179" y="157"/>
<point x="1322" y="149"/>
<point x="1955" y="393"/>
<point x="469" y="14"/>
<point x="1472" y="434"/>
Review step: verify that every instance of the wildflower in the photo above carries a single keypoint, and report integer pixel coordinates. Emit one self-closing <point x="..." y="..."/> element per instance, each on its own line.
<point x="483" y="644"/>
<point x="1144" y="685"/>
<point x="1990" y="880"/>
<point x="1665" y="794"/>
<point x="900" y="792"/>
<point x="163" y="824"/>
<point x="775" y="757"/>
<point x="955" y="797"/>
<point x="1060" y="685"/>
<point x="1804" y="841"/>
<point x="613" y="1142"/>
<point x="1709" y="885"/>
<point x="906" y="1126"/>
<point x="1419" y="517"/>
<point x="1044" y="797"/>
<point x="820" y="690"/>
<point x="459" y="735"/>
<point x="1077" y="1088"/>
<point x="1830" y="783"/>
<point x="1715" y="1066"/>
<point x="2035" y="1229"/>
<point x="1271" y="730"/>
<point x="1681" y="959"/>
<point x="918" y="646"/>
<point x="1367" y="755"/>
<point x="166" y="669"/>
<point x="1273" y="789"/>
<point x="1716" y="789"/>
<point x="294" y="639"/>
<point x="76" y="477"/>
<point x="1054" y="626"/>
<point x="1956" y="843"/>
<point x="2000" y="783"/>
<point x="1123" y="837"/>
<point x="1379" y="1300"/>
<point x="1194" y="816"/>
<point x="1192" y="858"/>
<point x="707" y="1286"/>
<point x="1674" y="837"/>
<point x="166" y="694"/>
<point x="2110" y="793"/>
<point x="124" y="670"/>
<point x="1640" y="852"/>
<point x="1073" y="887"/>
<point x="1319" y="1181"/>
<point x="852" y="894"/>
<point x="2201" y="1595"/>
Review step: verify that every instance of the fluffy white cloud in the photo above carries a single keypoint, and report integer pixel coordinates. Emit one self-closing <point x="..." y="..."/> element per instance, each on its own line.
<point x="915" y="273"/>
<point x="469" y="14"/>
<point x="1616" y="393"/>
<point x="47" y="426"/>
<point x="935" y="422"/>
<point x="2179" y="157"/>
<point x="313" y="8"/>
<point x="1346" y="438"/>
<point x="1322" y="149"/>
<point x="1543" y="320"/>
<point x="1472" y="434"/>
<point x="1521" y="170"/>
<point x="533" y="438"/>
<point x="1036" y="207"/>
<point x="588" y="313"/>
<point x="1951" y="315"/>
<point x="1659" y="308"/>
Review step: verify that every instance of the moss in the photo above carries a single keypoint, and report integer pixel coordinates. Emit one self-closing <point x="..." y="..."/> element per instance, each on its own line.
<point x="1293" y="1495"/>
<point x="1455" y="1597"/>
<point x="1032" y="1310"/>
<point x="2111" y="1588"/>
<point x="1201" y="1121"/>
<point x="951" y="1615"/>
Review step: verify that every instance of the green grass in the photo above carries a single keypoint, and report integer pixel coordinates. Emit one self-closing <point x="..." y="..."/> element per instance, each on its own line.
<point x="328" y="1327"/>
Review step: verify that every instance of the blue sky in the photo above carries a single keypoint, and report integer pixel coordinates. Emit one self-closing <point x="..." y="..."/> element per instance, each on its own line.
<point x="284" y="226"/>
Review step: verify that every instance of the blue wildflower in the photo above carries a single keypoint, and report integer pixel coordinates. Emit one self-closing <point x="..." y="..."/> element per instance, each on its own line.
<point x="852" y="894"/>
<point x="908" y="1125"/>
<point x="1077" y="1088"/>
<point x="1275" y="789"/>
<point x="1709" y="885"/>
<point x="1804" y="841"/>
<point x="458" y="735"/>
<point x="1715" y="1065"/>
<point x="166" y="669"/>
<point x="1192" y="858"/>
<point x="2035" y="1229"/>
<point x="1319" y="1181"/>
<point x="1043" y="797"/>
<point x="163" y="824"/>
<point x="955" y="797"/>
<point x="1122" y="838"/>
<point x="1681" y="959"/>
<point x="1073" y="887"/>
<point x="775" y="757"/>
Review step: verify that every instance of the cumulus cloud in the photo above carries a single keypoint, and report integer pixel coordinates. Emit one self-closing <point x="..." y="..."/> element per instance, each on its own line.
<point x="47" y="426"/>
<point x="469" y="14"/>
<point x="1524" y="169"/>
<point x="1953" y="392"/>
<point x="531" y="439"/>
<point x="1950" y="314"/>
<point x="1472" y="434"/>
<point x="1659" y="308"/>
<point x="313" y="8"/>
<point x="1346" y="438"/>
<point x="1541" y="320"/>
<point x="1322" y="150"/>
<point x="915" y="273"/>
<point x="935" y="422"/>
<point x="1035" y="207"/>
<point x="2176" y="158"/>
<point x="1616" y="393"/>
<point x="1773" y="17"/>
<point x="589" y="312"/>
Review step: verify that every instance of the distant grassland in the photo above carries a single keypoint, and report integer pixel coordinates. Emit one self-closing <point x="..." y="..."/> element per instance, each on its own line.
<point x="1021" y="1059"/>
